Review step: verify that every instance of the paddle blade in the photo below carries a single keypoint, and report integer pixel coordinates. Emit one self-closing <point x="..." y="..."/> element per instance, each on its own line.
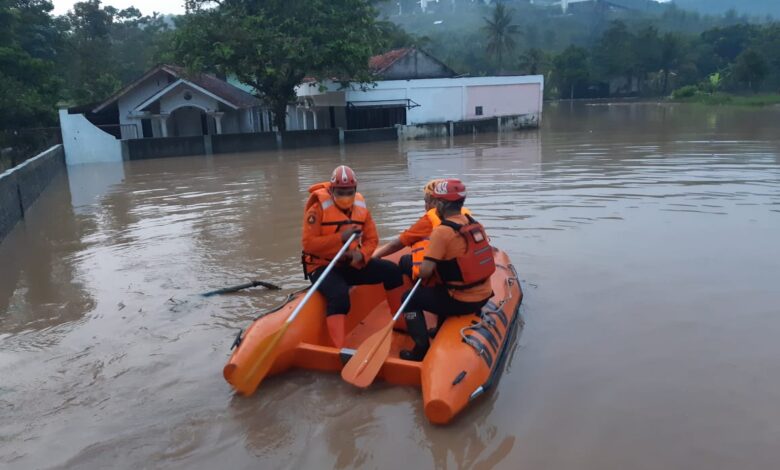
<point x="262" y="358"/>
<point x="364" y="366"/>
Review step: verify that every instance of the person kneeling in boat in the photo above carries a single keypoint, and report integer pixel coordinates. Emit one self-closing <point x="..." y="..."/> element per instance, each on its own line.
<point x="460" y="256"/>
<point x="416" y="236"/>
<point x="333" y="212"/>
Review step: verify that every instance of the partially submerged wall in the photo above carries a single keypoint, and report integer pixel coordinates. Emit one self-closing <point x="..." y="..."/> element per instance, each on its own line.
<point x="20" y="186"/>
<point x="86" y="143"/>
<point x="475" y="126"/>
<point x="362" y="136"/>
<point x="161" y="147"/>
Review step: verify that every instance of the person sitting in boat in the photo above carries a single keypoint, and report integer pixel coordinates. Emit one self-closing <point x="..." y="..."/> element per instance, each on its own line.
<point x="459" y="257"/>
<point x="333" y="212"/>
<point x="416" y="236"/>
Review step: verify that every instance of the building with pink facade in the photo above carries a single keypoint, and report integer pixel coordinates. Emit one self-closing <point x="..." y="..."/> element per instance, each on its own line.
<point x="415" y="88"/>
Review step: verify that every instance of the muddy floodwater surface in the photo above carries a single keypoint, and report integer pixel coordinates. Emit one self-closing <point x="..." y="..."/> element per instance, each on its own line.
<point x="646" y="237"/>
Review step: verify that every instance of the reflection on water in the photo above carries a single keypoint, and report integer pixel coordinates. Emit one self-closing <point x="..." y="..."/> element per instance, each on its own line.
<point x="645" y="236"/>
<point x="39" y="285"/>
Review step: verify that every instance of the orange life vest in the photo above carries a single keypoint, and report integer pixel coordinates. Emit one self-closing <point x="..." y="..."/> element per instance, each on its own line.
<point x="418" y="248"/>
<point x="334" y="220"/>
<point x="473" y="267"/>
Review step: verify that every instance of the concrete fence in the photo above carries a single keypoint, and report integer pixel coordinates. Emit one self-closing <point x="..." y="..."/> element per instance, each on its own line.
<point x="139" y="149"/>
<point x="473" y="126"/>
<point x="161" y="147"/>
<point x="20" y="186"/>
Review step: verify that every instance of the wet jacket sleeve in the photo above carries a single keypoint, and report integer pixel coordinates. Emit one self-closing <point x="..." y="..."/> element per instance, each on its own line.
<point x="369" y="239"/>
<point x="437" y="248"/>
<point x="325" y="246"/>
<point x="420" y="230"/>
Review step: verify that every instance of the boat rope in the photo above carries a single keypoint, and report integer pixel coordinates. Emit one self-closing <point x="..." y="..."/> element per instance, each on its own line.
<point x="488" y="321"/>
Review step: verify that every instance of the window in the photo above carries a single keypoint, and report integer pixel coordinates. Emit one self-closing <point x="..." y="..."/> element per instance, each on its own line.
<point x="478" y="111"/>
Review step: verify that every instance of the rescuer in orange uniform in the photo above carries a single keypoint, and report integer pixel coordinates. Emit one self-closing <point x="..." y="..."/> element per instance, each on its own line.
<point x="461" y="258"/>
<point x="416" y="236"/>
<point x="333" y="212"/>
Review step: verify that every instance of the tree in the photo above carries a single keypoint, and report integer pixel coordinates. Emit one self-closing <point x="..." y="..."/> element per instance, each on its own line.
<point x="29" y="85"/>
<point x="501" y="34"/>
<point x="750" y="69"/>
<point x="614" y="53"/>
<point x="671" y="53"/>
<point x="273" y="45"/>
<point x="646" y="52"/>
<point x="106" y="47"/>
<point x="571" y="70"/>
<point x="533" y="61"/>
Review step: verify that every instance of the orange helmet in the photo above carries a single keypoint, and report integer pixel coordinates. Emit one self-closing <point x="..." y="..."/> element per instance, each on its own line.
<point x="428" y="188"/>
<point x="343" y="177"/>
<point x="451" y="189"/>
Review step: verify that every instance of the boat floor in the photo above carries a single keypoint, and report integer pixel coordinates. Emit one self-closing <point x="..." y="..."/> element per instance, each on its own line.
<point x="375" y="321"/>
<point x="395" y="370"/>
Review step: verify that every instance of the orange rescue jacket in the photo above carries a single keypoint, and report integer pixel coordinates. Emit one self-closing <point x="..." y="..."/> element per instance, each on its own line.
<point x="322" y="223"/>
<point x="476" y="265"/>
<point x="418" y="248"/>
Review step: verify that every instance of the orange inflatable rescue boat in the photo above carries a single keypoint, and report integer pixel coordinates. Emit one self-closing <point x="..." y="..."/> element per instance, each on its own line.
<point x="465" y="358"/>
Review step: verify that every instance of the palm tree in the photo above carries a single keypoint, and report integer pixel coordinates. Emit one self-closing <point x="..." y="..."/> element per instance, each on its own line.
<point x="500" y="32"/>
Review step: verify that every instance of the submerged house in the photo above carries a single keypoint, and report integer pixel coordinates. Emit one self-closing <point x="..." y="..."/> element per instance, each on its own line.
<point x="169" y="112"/>
<point x="412" y="87"/>
<point x="166" y="102"/>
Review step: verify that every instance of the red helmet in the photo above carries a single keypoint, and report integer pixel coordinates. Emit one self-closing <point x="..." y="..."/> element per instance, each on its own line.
<point x="428" y="188"/>
<point x="343" y="177"/>
<point x="451" y="189"/>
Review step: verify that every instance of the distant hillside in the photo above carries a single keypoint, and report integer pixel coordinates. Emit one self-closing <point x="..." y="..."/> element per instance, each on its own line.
<point x="750" y="7"/>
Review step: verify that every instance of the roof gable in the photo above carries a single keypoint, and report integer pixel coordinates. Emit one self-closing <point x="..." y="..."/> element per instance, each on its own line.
<point x="408" y="63"/>
<point x="220" y="89"/>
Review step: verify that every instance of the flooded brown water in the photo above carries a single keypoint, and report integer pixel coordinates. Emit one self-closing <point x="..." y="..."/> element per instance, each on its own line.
<point x="646" y="237"/>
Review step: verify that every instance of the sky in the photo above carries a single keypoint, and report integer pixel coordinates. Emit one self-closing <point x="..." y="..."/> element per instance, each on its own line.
<point x="147" y="7"/>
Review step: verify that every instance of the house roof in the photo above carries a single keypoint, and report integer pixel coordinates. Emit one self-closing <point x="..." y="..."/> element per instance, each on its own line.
<point x="379" y="64"/>
<point x="224" y="91"/>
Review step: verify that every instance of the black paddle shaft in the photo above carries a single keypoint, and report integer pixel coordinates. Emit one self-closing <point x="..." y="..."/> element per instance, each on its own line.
<point x="247" y="285"/>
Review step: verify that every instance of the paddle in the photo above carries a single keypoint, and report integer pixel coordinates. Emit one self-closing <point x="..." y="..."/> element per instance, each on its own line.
<point x="369" y="357"/>
<point x="265" y="351"/>
<point x="247" y="285"/>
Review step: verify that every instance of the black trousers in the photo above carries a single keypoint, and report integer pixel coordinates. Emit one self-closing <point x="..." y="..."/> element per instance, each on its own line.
<point x="405" y="263"/>
<point x="335" y="287"/>
<point x="437" y="300"/>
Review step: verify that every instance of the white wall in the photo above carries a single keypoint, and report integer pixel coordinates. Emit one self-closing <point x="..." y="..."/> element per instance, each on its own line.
<point x="136" y="96"/>
<point x="449" y="99"/>
<point x="185" y="121"/>
<point x="174" y="99"/>
<point x="86" y="143"/>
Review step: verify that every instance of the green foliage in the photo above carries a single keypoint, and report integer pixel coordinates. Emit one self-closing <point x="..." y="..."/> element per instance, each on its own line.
<point x="714" y="82"/>
<point x="723" y="99"/>
<point x="534" y="61"/>
<point x="688" y="91"/>
<point x="571" y="71"/>
<point x="29" y="86"/>
<point x="750" y="69"/>
<point x="107" y="47"/>
<point x="501" y="33"/>
<point x="273" y="45"/>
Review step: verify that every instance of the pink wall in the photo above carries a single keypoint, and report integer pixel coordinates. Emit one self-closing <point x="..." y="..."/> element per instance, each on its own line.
<point x="503" y="100"/>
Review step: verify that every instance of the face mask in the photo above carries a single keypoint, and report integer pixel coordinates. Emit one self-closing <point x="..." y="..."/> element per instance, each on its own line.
<point x="344" y="202"/>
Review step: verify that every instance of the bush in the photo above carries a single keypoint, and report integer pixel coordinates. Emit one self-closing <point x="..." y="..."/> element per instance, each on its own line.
<point x="688" y="91"/>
